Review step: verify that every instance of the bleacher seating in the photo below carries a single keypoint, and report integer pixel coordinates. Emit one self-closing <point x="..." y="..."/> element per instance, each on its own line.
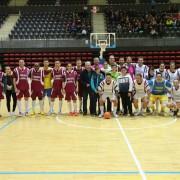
<point x="150" y="57"/>
<point x="52" y="25"/>
<point x="41" y="2"/>
<point x="121" y="1"/>
<point x="155" y="1"/>
<point x="11" y="59"/>
<point x="69" y="2"/>
<point x="3" y="16"/>
<point x="4" y="2"/>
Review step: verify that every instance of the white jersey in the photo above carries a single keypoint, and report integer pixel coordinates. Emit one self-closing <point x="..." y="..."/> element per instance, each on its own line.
<point x="140" y="89"/>
<point x="143" y="70"/>
<point x="176" y="94"/>
<point x="173" y="75"/>
<point x="107" y="88"/>
<point x="164" y="73"/>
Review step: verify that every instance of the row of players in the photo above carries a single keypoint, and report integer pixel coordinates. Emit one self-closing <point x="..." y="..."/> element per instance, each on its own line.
<point x="125" y="81"/>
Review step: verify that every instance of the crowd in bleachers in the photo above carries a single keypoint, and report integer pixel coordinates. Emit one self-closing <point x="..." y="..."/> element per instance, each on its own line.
<point x="150" y="23"/>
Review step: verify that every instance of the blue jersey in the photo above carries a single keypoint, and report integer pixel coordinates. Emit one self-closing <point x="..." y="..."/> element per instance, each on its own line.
<point x="159" y="88"/>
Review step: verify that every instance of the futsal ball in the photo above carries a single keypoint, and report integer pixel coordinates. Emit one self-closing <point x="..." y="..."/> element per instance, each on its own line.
<point x="107" y="115"/>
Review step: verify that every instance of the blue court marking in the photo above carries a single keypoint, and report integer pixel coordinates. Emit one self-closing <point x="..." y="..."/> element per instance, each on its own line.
<point x="5" y="125"/>
<point x="88" y="172"/>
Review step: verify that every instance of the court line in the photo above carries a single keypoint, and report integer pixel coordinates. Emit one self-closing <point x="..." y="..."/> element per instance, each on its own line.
<point x="112" y="129"/>
<point x="7" y="124"/>
<point x="142" y="173"/>
<point x="87" y="172"/>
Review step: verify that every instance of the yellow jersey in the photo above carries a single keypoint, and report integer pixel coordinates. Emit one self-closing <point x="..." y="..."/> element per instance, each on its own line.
<point x="47" y="78"/>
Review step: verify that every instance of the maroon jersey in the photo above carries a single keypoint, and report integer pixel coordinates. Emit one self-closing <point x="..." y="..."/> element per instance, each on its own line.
<point x="37" y="78"/>
<point x="21" y="75"/>
<point x="80" y="93"/>
<point x="1" y="86"/>
<point x="78" y="72"/>
<point x="1" y="76"/>
<point x="58" y="78"/>
<point x="70" y="81"/>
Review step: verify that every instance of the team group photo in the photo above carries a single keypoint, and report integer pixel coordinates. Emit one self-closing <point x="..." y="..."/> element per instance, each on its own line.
<point x="122" y="87"/>
<point x="89" y="89"/>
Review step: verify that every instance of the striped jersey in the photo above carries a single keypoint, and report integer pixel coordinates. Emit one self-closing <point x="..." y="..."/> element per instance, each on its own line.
<point x="163" y="73"/>
<point x="106" y="88"/>
<point x="173" y="75"/>
<point x="176" y="94"/>
<point x="143" y="70"/>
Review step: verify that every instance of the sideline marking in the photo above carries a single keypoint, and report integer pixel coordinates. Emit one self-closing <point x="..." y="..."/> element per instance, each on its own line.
<point x="112" y="129"/>
<point x="141" y="172"/>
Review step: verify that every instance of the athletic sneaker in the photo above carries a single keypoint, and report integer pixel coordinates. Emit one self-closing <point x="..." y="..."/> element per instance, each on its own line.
<point x="115" y="115"/>
<point x="33" y="113"/>
<point x="21" y="114"/>
<point x="41" y="113"/>
<point x="100" y="115"/>
<point x="71" y="114"/>
<point x="175" y="113"/>
<point x="75" y="114"/>
<point x="26" y="113"/>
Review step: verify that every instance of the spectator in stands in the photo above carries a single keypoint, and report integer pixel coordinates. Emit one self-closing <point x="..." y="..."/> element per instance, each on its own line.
<point x="85" y="78"/>
<point x="169" y="21"/>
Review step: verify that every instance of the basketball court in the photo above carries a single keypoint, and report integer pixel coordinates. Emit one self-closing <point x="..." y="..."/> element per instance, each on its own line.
<point x="64" y="147"/>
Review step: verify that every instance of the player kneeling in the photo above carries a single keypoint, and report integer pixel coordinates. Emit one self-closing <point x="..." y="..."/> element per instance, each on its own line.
<point x="107" y="90"/>
<point x="37" y="87"/>
<point x="159" y="89"/>
<point x="140" y="92"/>
<point x="70" y="88"/>
<point x="176" y="97"/>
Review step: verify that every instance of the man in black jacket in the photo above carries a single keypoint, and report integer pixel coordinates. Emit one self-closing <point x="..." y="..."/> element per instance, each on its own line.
<point x="85" y="78"/>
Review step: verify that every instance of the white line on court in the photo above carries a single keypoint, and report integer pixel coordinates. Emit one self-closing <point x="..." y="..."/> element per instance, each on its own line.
<point x="131" y="150"/>
<point x="112" y="129"/>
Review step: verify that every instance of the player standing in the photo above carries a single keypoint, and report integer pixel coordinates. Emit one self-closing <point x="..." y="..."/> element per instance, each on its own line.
<point x="173" y="73"/>
<point x="141" y="68"/>
<point x="176" y="97"/>
<point x="162" y="70"/>
<point x="47" y="81"/>
<point x="57" y="78"/>
<point x="78" y="68"/>
<point x="37" y="87"/>
<point x="21" y="85"/>
<point x="1" y="86"/>
<point x="70" y="87"/>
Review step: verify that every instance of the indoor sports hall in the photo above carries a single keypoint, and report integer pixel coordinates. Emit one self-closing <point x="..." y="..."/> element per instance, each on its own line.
<point x="89" y="89"/>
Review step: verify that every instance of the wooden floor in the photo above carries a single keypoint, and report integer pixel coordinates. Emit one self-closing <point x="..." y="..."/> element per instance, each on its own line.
<point x="63" y="147"/>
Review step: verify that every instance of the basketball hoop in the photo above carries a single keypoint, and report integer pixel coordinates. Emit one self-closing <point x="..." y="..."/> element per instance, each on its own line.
<point x="103" y="46"/>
